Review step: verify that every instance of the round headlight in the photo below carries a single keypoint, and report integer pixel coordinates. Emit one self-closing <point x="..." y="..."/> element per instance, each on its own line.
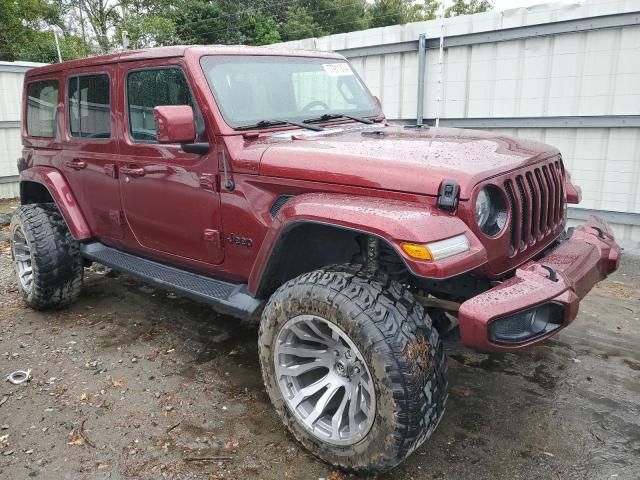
<point x="491" y="210"/>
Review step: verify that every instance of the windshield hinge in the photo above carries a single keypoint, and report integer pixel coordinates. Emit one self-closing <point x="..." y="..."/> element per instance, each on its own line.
<point x="228" y="181"/>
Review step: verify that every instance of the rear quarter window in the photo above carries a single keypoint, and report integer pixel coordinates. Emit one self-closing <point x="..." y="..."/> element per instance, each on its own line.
<point x="42" y="101"/>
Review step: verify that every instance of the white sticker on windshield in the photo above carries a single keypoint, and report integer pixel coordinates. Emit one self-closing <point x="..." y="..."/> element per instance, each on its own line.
<point x="337" y="69"/>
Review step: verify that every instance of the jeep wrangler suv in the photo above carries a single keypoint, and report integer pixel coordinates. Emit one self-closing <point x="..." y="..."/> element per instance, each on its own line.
<point x="268" y="184"/>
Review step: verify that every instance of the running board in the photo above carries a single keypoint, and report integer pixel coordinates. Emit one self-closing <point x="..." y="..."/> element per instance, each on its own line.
<point x="228" y="298"/>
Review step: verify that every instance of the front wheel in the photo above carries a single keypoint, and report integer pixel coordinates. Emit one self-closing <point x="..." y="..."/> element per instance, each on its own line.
<point x="353" y="366"/>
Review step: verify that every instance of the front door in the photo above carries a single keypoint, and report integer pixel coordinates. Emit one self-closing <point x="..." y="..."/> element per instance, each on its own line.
<point x="170" y="197"/>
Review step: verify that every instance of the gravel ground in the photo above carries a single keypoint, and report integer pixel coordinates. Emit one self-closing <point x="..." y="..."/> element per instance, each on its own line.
<point x="132" y="382"/>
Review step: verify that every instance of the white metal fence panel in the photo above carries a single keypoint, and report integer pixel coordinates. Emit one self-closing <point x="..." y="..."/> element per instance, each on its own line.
<point x="11" y="78"/>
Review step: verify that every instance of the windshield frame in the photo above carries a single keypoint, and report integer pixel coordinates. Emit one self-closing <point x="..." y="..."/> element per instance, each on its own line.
<point x="376" y="112"/>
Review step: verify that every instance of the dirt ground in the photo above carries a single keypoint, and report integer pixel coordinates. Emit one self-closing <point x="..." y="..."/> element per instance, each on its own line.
<point x="132" y="382"/>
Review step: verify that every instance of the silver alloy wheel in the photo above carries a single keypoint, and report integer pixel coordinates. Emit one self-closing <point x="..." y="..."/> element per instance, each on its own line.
<point x="324" y="380"/>
<point x="21" y="253"/>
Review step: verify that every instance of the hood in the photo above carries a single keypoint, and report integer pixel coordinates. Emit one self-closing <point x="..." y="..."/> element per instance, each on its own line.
<point x="397" y="158"/>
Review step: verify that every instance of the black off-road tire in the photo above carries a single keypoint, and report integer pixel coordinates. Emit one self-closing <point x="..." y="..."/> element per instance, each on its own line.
<point x="57" y="266"/>
<point x="402" y="350"/>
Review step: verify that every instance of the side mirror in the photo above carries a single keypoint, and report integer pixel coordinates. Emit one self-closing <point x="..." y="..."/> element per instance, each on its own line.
<point x="175" y="124"/>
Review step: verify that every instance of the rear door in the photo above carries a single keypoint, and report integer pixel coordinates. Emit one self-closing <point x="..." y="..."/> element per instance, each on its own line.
<point x="90" y="147"/>
<point x="170" y="197"/>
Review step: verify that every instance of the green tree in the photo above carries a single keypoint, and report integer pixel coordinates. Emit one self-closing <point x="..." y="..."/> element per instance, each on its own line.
<point x="26" y="32"/>
<point x="259" y="29"/>
<point x="18" y="21"/>
<point x="206" y="22"/>
<point x="300" y="24"/>
<point x="468" y="7"/>
<point x="42" y="48"/>
<point x="337" y="16"/>
<point x="383" y="13"/>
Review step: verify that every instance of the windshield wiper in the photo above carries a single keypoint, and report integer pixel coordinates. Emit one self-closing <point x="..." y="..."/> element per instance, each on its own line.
<point x="334" y="116"/>
<point x="273" y="123"/>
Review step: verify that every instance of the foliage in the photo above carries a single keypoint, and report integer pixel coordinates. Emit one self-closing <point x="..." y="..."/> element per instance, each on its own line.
<point x="337" y="16"/>
<point x="259" y="29"/>
<point x="20" y="21"/>
<point x="468" y="7"/>
<point x="99" y="26"/>
<point x="383" y="13"/>
<point x="42" y="48"/>
<point x="300" y="24"/>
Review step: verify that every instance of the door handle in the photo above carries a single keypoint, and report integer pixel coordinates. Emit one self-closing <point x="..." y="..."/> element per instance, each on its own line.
<point x="76" y="164"/>
<point x="133" y="171"/>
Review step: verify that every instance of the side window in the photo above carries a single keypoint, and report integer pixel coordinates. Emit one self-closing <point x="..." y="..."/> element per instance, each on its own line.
<point x="42" y="100"/>
<point x="147" y="89"/>
<point x="89" y="106"/>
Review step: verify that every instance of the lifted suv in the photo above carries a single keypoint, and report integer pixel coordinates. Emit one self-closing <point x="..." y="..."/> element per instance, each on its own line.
<point x="268" y="184"/>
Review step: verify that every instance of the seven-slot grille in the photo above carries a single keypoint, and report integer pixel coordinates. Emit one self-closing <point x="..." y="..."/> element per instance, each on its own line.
<point x="536" y="199"/>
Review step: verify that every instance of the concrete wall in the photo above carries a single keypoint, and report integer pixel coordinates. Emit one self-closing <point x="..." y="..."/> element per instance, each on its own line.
<point x="11" y="78"/>
<point x="565" y="74"/>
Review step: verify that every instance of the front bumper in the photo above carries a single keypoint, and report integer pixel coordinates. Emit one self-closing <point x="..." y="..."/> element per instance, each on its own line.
<point x="551" y="286"/>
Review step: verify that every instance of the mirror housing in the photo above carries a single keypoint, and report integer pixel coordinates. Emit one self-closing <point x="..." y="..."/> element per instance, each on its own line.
<point x="175" y="123"/>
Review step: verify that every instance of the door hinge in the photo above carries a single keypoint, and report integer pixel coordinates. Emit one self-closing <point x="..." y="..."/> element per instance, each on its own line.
<point x="211" y="235"/>
<point x="110" y="169"/>
<point x="210" y="181"/>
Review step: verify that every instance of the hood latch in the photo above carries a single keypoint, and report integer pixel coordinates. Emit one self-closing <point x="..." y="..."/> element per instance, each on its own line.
<point x="448" y="196"/>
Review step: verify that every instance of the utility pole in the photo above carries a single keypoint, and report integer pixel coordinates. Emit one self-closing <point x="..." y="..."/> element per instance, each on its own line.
<point x="55" y="35"/>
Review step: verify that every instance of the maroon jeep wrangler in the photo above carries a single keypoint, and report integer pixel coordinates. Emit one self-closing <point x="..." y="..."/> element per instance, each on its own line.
<point x="268" y="184"/>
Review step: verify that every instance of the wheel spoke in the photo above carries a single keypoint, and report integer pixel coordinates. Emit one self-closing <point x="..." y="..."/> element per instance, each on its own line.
<point x="353" y="405"/>
<point x="364" y="404"/>
<point x="22" y="257"/>
<point x="336" y="420"/>
<point x="322" y="403"/>
<point x="330" y="341"/>
<point x="306" y="336"/>
<point x="307" y="391"/>
<point x="20" y="247"/>
<point x="302" y="352"/>
<point x="298" y="369"/>
<point x="366" y="385"/>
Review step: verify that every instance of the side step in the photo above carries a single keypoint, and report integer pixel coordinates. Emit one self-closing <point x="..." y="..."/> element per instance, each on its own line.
<point x="228" y="298"/>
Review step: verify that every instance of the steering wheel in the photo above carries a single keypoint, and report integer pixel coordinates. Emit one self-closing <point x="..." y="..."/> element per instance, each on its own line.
<point x="316" y="103"/>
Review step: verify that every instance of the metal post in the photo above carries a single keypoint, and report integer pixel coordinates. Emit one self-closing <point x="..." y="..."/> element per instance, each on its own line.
<point x="55" y="35"/>
<point x="422" y="53"/>
<point x="440" y="60"/>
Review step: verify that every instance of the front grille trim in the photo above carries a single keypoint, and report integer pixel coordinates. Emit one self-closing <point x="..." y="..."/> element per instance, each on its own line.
<point x="536" y="200"/>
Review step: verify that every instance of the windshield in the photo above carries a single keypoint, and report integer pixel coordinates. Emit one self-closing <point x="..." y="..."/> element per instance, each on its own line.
<point x="250" y="89"/>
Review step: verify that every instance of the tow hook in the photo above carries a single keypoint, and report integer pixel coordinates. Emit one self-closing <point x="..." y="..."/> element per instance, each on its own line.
<point x="599" y="230"/>
<point x="553" y="276"/>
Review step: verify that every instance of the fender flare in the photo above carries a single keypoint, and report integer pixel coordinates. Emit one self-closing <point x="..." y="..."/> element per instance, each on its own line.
<point x="63" y="197"/>
<point x="392" y="221"/>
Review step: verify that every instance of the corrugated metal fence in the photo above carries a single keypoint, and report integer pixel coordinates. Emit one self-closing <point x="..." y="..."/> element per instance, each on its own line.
<point x="564" y="74"/>
<point x="11" y="77"/>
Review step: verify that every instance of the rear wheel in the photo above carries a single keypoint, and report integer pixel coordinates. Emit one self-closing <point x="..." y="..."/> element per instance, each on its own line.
<point x="353" y="366"/>
<point x="46" y="257"/>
